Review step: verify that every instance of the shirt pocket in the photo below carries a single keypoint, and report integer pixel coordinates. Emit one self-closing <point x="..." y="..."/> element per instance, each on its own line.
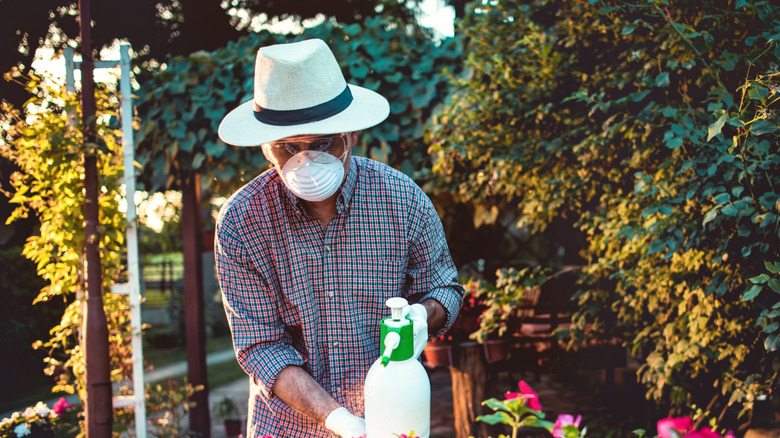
<point x="374" y="282"/>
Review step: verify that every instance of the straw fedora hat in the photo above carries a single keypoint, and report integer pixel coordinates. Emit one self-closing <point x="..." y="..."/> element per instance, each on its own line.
<point x="299" y="89"/>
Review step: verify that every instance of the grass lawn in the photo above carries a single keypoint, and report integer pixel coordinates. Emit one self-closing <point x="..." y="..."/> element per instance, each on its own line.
<point x="224" y="373"/>
<point x="165" y="356"/>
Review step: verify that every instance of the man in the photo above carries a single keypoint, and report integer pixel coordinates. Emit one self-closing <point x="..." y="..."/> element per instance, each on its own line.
<point x="309" y="251"/>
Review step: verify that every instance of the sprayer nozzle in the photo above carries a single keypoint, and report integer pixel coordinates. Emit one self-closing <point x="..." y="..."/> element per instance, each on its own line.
<point x="396" y="305"/>
<point x="392" y="340"/>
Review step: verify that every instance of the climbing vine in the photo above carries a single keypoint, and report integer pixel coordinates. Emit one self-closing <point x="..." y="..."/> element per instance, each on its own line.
<point x="646" y="134"/>
<point x="181" y="106"/>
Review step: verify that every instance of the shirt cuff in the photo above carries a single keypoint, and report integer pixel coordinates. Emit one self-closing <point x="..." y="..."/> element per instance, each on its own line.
<point x="268" y="362"/>
<point x="449" y="297"/>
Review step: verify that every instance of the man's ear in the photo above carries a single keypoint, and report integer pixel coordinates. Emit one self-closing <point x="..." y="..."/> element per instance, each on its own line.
<point x="266" y="154"/>
<point x="353" y="137"/>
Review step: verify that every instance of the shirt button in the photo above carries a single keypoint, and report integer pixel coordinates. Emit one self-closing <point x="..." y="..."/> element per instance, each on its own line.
<point x="338" y="390"/>
<point x="327" y="248"/>
<point x="331" y="294"/>
<point x="335" y="343"/>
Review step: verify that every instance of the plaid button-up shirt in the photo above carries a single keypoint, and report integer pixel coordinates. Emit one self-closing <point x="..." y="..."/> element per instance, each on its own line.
<point x="296" y="294"/>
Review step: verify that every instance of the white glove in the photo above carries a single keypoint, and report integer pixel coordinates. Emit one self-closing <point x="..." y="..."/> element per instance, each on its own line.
<point x="344" y="424"/>
<point x="419" y="316"/>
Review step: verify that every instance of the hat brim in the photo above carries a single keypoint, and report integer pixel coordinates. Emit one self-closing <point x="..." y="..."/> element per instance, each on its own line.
<point x="241" y="128"/>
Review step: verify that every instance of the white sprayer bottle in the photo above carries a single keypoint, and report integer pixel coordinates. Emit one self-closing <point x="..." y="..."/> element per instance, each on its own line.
<point x="397" y="389"/>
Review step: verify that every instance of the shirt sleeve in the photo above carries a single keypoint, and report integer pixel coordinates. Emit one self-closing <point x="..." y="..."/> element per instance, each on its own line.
<point x="263" y="346"/>
<point x="431" y="272"/>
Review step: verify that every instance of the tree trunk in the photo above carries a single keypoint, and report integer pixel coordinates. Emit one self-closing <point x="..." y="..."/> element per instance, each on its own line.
<point x="98" y="416"/>
<point x="468" y="390"/>
<point x="195" y="324"/>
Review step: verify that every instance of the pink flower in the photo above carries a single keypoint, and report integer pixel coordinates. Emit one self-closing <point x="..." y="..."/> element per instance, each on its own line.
<point x="674" y="427"/>
<point x="60" y="406"/>
<point x="563" y="421"/>
<point x="531" y="398"/>
<point x="703" y="433"/>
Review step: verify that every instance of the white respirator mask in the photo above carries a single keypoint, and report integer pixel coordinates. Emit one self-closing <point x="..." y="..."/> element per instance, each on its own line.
<point x="315" y="175"/>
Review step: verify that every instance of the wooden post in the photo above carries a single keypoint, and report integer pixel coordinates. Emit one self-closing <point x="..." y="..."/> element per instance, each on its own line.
<point x="195" y="323"/>
<point x="469" y="379"/>
<point x="98" y="410"/>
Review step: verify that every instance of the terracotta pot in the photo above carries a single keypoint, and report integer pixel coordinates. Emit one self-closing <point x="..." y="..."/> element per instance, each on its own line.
<point x="496" y="350"/>
<point x="232" y="427"/>
<point x="438" y="355"/>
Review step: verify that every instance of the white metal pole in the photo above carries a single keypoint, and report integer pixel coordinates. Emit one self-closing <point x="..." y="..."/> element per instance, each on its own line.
<point x="133" y="263"/>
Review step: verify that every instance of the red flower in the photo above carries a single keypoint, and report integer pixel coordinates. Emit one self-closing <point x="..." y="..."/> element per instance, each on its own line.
<point x="674" y="427"/>
<point x="60" y="406"/>
<point x="531" y="398"/>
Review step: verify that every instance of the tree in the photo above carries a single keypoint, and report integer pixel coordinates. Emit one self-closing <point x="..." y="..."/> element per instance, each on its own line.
<point x="49" y="153"/>
<point x="649" y="130"/>
<point x="156" y="29"/>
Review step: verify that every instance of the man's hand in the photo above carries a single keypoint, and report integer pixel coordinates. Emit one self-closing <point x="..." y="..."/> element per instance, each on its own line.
<point x="437" y="315"/>
<point x="344" y="424"/>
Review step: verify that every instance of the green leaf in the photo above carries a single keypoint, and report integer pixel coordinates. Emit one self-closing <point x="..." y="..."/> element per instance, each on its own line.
<point x="774" y="284"/>
<point x="762" y="127"/>
<point x="759" y="279"/>
<point x="495" y="404"/>
<point x="639" y="95"/>
<point x="674" y="142"/>
<point x="772" y="267"/>
<point x="772" y="342"/>
<point x="715" y="128"/>
<point x="758" y="93"/>
<point x="710" y="216"/>
<point x="662" y="80"/>
<point x="496" y="418"/>
<point x="769" y="328"/>
<point x="751" y="293"/>
<point x="628" y="29"/>
<point x="721" y="198"/>
<point x="656" y="245"/>
<point x="730" y="210"/>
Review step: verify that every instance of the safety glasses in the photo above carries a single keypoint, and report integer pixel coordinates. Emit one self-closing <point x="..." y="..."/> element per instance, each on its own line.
<point x="282" y="150"/>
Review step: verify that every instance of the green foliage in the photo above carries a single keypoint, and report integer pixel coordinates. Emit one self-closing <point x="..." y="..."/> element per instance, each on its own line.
<point x="226" y="408"/>
<point x="181" y="105"/>
<point x="50" y="155"/>
<point x="167" y="405"/>
<point x="514" y="295"/>
<point x="514" y="411"/>
<point x="651" y="130"/>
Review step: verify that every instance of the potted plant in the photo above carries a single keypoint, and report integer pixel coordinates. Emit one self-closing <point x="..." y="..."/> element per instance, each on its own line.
<point x="227" y="410"/>
<point x="438" y="352"/>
